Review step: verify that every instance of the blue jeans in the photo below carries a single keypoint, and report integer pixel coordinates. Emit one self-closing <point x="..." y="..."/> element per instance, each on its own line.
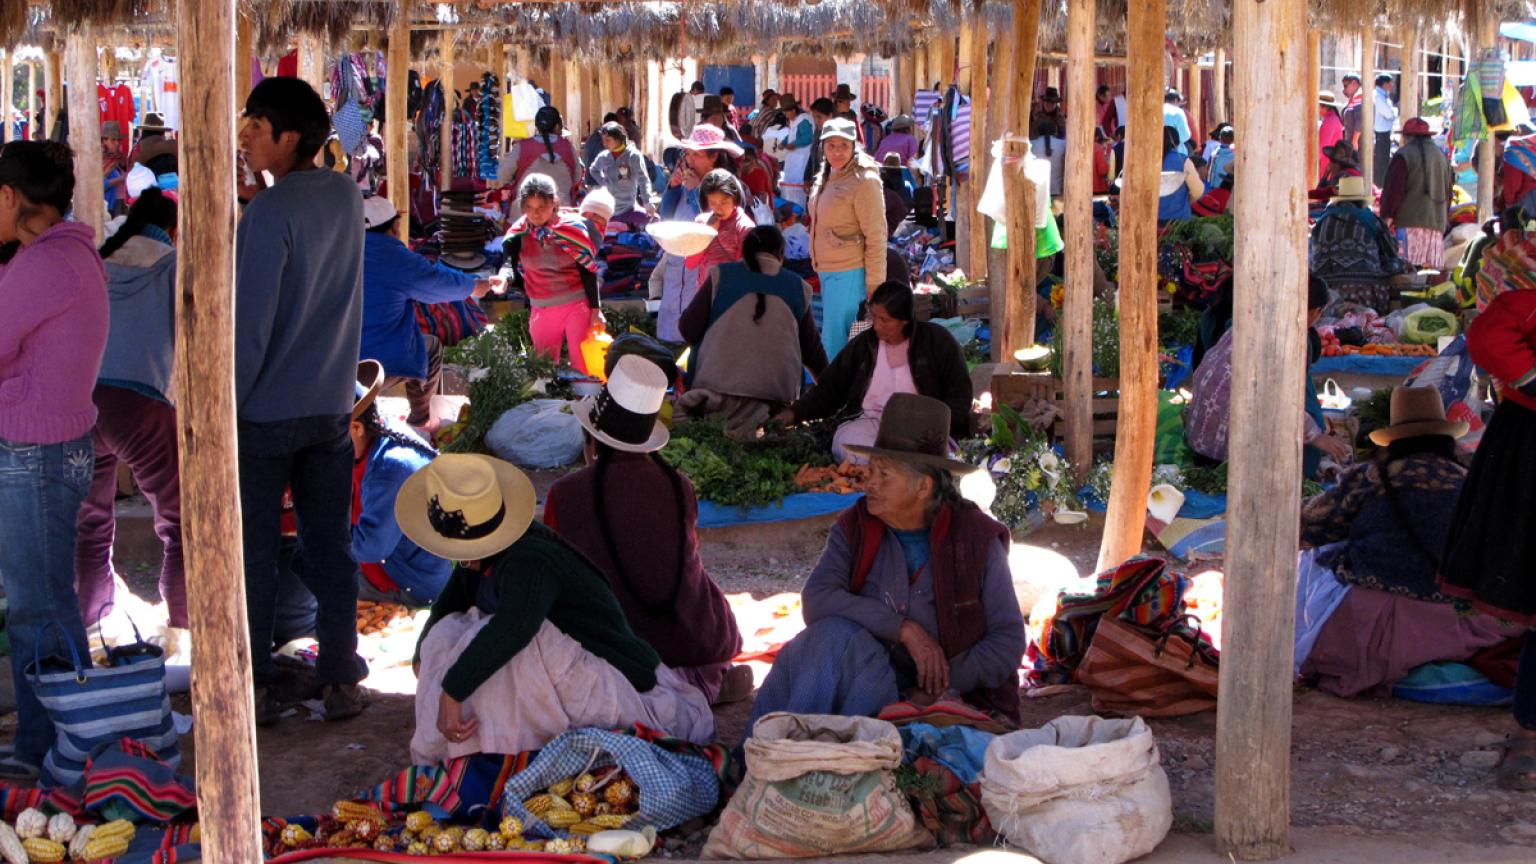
<point x="312" y="456"/>
<point x="841" y="294"/>
<point x="41" y="487"/>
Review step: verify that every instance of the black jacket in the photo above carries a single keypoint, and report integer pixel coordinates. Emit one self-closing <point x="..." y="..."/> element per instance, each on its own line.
<point x="938" y="370"/>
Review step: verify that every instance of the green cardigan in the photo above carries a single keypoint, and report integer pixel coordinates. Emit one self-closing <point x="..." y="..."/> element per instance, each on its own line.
<point x="540" y="578"/>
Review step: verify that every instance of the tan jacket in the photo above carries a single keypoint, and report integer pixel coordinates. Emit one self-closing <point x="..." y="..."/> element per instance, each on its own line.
<point x="848" y="222"/>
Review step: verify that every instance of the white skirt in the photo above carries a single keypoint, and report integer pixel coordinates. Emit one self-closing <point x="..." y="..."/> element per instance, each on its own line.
<point x="551" y="686"/>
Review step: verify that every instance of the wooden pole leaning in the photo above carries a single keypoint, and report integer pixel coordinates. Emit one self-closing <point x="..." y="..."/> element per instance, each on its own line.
<point x="445" y="51"/>
<point x="1367" y="154"/>
<point x="981" y="142"/>
<point x="1253" y="714"/>
<point x="1126" y="521"/>
<point x="1219" y="87"/>
<point x="1077" y="188"/>
<point x="228" y="785"/>
<point x="1310" y="121"/>
<point x="85" y="126"/>
<point x="397" y="124"/>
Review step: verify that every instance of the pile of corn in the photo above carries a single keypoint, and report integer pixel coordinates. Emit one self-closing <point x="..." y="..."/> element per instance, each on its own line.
<point x="39" y="839"/>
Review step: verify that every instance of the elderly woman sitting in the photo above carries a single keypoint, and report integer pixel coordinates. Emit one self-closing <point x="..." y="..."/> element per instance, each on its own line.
<point x="912" y="597"/>
<point x="896" y="355"/>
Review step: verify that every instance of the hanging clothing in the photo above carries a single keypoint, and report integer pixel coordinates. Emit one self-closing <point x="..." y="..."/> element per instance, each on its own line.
<point x="159" y="79"/>
<point x="116" y="106"/>
<point x="488" y="139"/>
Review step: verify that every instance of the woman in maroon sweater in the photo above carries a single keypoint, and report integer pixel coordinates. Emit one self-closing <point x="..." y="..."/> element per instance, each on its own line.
<point x="652" y="563"/>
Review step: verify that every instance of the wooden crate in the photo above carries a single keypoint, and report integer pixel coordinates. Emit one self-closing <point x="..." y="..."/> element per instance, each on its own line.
<point x="1015" y="389"/>
<point x="975" y="301"/>
<point x="926" y="307"/>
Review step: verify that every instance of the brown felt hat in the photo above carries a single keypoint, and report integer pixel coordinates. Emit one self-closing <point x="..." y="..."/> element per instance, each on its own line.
<point x="915" y="429"/>
<point x="370" y="380"/>
<point x="1417" y="411"/>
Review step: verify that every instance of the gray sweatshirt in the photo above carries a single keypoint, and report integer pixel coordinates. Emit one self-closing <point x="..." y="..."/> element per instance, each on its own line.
<point x="624" y="176"/>
<point x="299" y="298"/>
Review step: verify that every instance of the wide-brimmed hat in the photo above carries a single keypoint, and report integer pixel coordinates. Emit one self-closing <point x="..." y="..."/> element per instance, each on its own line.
<point x="465" y="260"/>
<point x="1327" y="97"/>
<point x="788" y="102"/>
<point x="1340" y="151"/>
<point x="712" y="105"/>
<point x="378" y="210"/>
<point x="1417" y="126"/>
<point x="1417" y="411"/>
<point x="843" y="92"/>
<point x="901" y="121"/>
<point x="707" y="136"/>
<point x="840" y="127"/>
<point x="465" y="506"/>
<point x="625" y="414"/>
<point x="891" y="160"/>
<point x="370" y="380"/>
<point x="1352" y="189"/>
<point x="914" y="429"/>
<point x="1051" y="94"/>
<point x="681" y="238"/>
<point x="153" y="123"/>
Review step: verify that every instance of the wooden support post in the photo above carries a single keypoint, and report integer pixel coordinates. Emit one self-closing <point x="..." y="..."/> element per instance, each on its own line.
<point x="1195" y="90"/>
<point x="228" y="785"/>
<point x="1311" y="125"/>
<point x="901" y="70"/>
<point x="1025" y="50"/>
<point x="1077" y="188"/>
<point x="53" y="85"/>
<point x="34" y="86"/>
<point x="245" y="51"/>
<point x="557" y="80"/>
<point x="653" y="107"/>
<point x="1219" y="87"/>
<point x="1018" y="330"/>
<point x="85" y="126"/>
<point x="445" y="51"/>
<point x="1253" y="712"/>
<point x="960" y="209"/>
<point x="981" y="142"/>
<point x="7" y="61"/>
<point x="1487" y="37"/>
<point x="605" y="95"/>
<point x="920" y="78"/>
<point x="397" y="160"/>
<point x="1412" y="99"/>
<point x="1146" y="23"/>
<point x="1000" y="102"/>
<point x="1367" y="148"/>
<point x="312" y="61"/>
<point x="948" y="71"/>
<point x="577" y="121"/>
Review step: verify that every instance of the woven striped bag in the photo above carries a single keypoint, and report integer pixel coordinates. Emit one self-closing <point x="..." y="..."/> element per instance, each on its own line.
<point x="1131" y="670"/>
<point x="95" y="707"/>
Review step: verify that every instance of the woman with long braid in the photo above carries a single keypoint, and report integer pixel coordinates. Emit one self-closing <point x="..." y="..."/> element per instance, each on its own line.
<point x="653" y="564"/>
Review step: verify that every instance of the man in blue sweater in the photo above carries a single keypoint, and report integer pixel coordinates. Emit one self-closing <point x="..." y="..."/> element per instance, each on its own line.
<point x="394" y="277"/>
<point x="298" y="315"/>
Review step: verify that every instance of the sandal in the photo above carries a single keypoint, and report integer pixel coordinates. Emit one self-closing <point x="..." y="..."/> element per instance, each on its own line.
<point x="1517" y="771"/>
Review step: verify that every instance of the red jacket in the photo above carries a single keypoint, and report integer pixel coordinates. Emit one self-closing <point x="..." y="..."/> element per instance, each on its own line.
<point x="1502" y="340"/>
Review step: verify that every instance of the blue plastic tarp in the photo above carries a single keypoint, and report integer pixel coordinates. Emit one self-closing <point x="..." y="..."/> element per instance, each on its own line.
<point x="800" y="506"/>
<point x="1400" y="367"/>
<point x="1197" y="505"/>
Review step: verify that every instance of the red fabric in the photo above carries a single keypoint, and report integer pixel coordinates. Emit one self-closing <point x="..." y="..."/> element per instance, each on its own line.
<point x="372" y="571"/>
<point x="758" y="183"/>
<point x="1516" y="184"/>
<point x="1502" y="340"/>
<point x="1501" y="662"/>
<point x="1213" y="202"/>
<point x="960" y="539"/>
<point x="1329" y="133"/>
<point x="1101" y="166"/>
<point x="288" y="66"/>
<point x="116" y="103"/>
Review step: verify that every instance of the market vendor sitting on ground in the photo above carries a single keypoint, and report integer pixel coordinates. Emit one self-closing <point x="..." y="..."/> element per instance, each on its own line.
<point x="913" y="598"/>
<point x="527" y="640"/>
<point x="1207" y="415"/>
<point x="1353" y="251"/>
<point x="652" y="564"/>
<point x="551" y="253"/>
<point x="754" y="337"/>
<point x="898" y="354"/>
<point x="1370" y="608"/>
<point x="395" y="279"/>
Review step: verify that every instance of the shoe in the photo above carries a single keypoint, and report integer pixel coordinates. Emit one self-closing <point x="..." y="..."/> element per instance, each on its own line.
<point x="736" y="686"/>
<point x="268" y="709"/>
<point x="344" y="701"/>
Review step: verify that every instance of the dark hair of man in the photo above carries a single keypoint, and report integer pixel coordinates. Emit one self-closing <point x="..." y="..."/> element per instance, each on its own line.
<point x="152" y="208"/>
<point x="896" y="299"/>
<point x="823" y="106"/>
<point x="291" y="105"/>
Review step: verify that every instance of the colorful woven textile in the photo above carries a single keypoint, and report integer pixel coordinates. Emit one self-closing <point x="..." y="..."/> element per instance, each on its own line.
<point x="1509" y="264"/>
<point x="947" y="807"/>
<point x="130" y="782"/>
<point x="451" y="323"/>
<point x="569" y="235"/>
<point x="1141" y="591"/>
<point x="457" y="787"/>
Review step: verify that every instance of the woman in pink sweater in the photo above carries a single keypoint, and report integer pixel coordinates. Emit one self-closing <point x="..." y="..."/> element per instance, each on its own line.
<point x="53" y="330"/>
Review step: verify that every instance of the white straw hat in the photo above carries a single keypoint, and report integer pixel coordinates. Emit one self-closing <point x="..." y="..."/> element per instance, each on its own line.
<point x="681" y="238"/>
<point x="624" y="415"/>
<point x="464" y="506"/>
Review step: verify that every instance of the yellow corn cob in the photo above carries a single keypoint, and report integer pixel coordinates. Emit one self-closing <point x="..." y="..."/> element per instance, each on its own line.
<point x="353" y="811"/>
<point x="585" y="828"/>
<point x="111" y="846"/>
<point x="417" y="848"/>
<point x="445" y="843"/>
<point x="511" y="826"/>
<point x="10" y="846"/>
<point x="561" y="818"/>
<point x="564" y="787"/>
<point x="609" y="821"/>
<point x="384" y="843"/>
<point x="496" y="843"/>
<point x="116" y="828"/>
<point x="82" y="837"/>
<point x="418" y="821"/>
<point x="538" y="805"/>
<point x="475" y="839"/>
<point x="41" y="850"/>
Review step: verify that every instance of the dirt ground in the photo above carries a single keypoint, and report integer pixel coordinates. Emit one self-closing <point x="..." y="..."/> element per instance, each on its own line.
<point x="1373" y="768"/>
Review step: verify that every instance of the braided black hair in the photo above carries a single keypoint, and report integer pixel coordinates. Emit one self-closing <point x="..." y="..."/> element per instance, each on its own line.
<point x="373" y="422"/>
<point x="152" y="208"/>
<point x="604" y="456"/>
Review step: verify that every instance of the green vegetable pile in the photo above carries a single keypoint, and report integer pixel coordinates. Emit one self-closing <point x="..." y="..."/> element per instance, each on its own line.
<point x="744" y="474"/>
<point x="503" y="374"/>
<point x="625" y="320"/>
<point x="1209" y="238"/>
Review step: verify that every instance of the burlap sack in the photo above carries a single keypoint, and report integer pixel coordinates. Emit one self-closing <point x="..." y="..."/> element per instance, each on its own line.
<point x="817" y="785"/>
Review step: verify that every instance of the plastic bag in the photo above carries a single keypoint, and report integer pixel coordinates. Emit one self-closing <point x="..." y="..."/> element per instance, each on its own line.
<point x="1453" y="374"/>
<point x="1079" y="790"/>
<point x="542" y="433"/>
<point x="672" y="787"/>
<point x="817" y="785"/>
<point x="1426" y="326"/>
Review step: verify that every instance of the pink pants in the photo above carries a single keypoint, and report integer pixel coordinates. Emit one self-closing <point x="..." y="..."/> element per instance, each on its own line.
<point x="548" y="325"/>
